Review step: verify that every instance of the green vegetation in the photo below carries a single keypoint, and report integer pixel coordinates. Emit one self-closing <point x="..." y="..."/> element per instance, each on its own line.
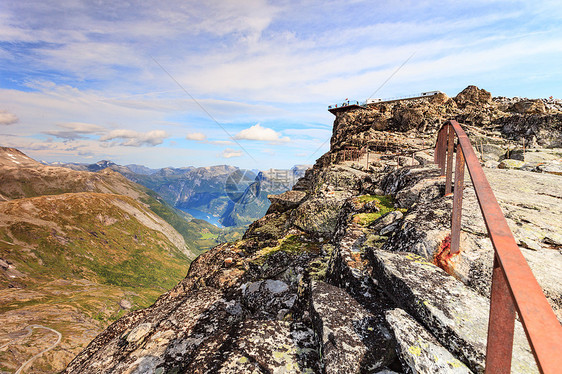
<point x="384" y="203"/>
<point x="289" y="244"/>
<point x="319" y="267"/>
<point x="365" y="219"/>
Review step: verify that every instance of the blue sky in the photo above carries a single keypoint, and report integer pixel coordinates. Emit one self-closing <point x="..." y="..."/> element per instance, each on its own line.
<point x="81" y="80"/>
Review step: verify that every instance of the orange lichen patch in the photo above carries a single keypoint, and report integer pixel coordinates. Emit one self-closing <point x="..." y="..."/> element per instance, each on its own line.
<point x="442" y="257"/>
<point x="357" y="261"/>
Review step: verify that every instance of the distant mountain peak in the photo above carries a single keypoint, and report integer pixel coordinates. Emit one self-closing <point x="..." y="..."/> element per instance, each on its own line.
<point x="100" y="165"/>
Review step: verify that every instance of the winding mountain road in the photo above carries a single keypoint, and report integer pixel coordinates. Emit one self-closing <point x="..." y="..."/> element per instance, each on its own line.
<point x="29" y="330"/>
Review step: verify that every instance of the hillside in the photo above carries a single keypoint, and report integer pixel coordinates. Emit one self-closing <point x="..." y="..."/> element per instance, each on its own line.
<point x="344" y="274"/>
<point x="78" y="250"/>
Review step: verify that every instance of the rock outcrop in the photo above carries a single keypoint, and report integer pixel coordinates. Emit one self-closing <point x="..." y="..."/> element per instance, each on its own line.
<point x="347" y="273"/>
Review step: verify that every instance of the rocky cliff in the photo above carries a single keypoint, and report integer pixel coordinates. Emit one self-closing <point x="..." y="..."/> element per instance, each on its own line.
<point x="346" y="273"/>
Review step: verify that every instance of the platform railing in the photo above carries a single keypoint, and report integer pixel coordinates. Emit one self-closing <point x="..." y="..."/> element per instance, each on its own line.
<point x="514" y="287"/>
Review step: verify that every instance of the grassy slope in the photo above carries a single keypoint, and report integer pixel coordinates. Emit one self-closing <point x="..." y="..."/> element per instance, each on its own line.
<point x="83" y="254"/>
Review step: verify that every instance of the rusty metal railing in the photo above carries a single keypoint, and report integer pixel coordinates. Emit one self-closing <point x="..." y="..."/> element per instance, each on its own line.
<point x="514" y="288"/>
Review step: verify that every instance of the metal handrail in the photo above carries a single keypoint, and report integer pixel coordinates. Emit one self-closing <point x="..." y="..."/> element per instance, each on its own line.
<point x="514" y="288"/>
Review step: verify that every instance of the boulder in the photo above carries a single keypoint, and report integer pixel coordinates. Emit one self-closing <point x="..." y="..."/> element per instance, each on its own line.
<point x="257" y="346"/>
<point x="511" y="164"/>
<point x="411" y="185"/>
<point x="424" y="228"/>
<point x="271" y="226"/>
<point x="386" y="220"/>
<point x="408" y="118"/>
<point x="474" y="96"/>
<point x="319" y="215"/>
<point x="439" y="99"/>
<point x="418" y="350"/>
<point x="269" y="298"/>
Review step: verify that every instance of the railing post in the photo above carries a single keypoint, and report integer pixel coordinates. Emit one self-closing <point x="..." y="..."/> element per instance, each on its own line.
<point x="450" y="145"/>
<point x="500" y="324"/>
<point x="457" y="202"/>
<point x="440" y="149"/>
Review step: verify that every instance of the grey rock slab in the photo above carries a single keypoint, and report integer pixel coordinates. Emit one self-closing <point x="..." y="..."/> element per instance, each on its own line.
<point x="285" y="201"/>
<point x="320" y="214"/>
<point x="547" y="156"/>
<point x="386" y="220"/>
<point x="418" y="350"/>
<point x="258" y="346"/>
<point x="352" y="340"/>
<point x="266" y="298"/>
<point x="452" y="312"/>
<point x="413" y="185"/>
<point x="532" y="204"/>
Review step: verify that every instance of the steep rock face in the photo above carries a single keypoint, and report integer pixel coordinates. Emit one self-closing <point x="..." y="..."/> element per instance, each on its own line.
<point x="536" y="129"/>
<point x="329" y="280"/>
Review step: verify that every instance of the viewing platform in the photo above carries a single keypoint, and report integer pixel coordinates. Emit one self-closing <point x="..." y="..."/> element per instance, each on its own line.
<point x="347" y="104"/>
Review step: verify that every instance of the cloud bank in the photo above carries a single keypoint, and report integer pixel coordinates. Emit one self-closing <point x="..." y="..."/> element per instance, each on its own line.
<point x="133" y="138"/>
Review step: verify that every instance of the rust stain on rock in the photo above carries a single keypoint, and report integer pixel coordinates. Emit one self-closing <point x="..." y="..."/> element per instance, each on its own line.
<point x="442" y="256"/>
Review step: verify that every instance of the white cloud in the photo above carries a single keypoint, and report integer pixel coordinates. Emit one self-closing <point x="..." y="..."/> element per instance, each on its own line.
<point x="7" y="118"/>
<point x="229" y="153"/>
<point x="221" y="142"/>
<point x="135" y="139"/>
<point x="75" y="130"/>
<point x="260" y="133"/>
<point x="197" y="136"/>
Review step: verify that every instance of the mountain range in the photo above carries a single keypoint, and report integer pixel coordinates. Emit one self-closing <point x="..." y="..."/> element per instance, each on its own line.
<point x="210" y="192"/>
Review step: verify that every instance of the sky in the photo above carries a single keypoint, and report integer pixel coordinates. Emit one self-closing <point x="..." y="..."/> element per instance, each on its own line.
<point x="247" y="82"/>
